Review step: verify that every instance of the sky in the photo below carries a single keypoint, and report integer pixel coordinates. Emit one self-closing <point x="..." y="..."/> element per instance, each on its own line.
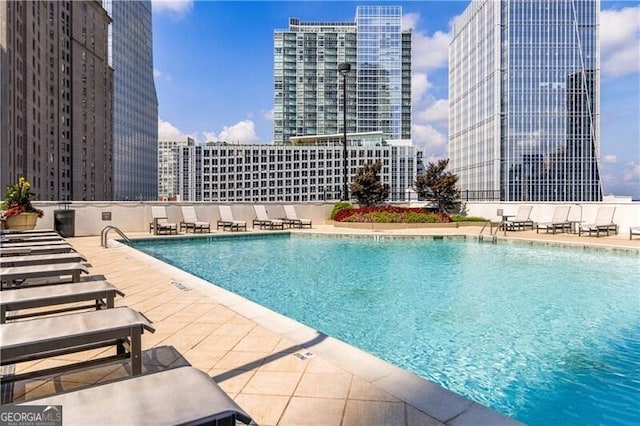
<point x="213" y="68"/>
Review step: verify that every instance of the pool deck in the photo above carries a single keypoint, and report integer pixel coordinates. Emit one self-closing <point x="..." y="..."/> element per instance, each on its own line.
<point x="280" y="371"/>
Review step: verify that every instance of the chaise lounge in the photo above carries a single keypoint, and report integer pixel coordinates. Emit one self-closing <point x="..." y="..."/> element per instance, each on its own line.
<point x="520" y="221"/>
<point x="159" y="223"/>
<point x="293" y="220"/>
<point x="602" y="223"/>
<point x="263" y="221"/>
<point x="190" y="221"/>
<point x="559" y="221"/>
<point x="183" y="395"/>
<point x="227" y="221"/>
<point x="45" y="337"/>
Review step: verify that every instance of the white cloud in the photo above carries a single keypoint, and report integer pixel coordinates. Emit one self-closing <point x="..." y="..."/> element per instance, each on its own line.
<point x="610" y="158"/>
<point x="243" y="132"/>
<point x="268" y="115"/>
<point x="436" y="112"/>
<point x="419" y="86"/>
<point x="620" y="41"/>
<point x="430" y="52"/>
<point x="631" y="172"/>
<point x="410" y="21"/>
<point x="174" y="7"/>
<point x="168" y="132"/>
<point x="434" y="141"/>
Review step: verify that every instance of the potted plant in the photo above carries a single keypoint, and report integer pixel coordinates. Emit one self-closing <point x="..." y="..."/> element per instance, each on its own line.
<point x="16" y="211"/>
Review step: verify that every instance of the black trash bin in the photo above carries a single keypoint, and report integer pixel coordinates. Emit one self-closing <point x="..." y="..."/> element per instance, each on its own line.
<point x="65" y="222"/>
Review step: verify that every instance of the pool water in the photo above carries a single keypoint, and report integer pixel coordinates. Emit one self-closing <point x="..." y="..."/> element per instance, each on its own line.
<point x="544" y="335"/>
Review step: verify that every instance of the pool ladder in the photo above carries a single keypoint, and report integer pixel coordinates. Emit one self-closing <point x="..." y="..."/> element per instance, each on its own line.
<point x="492" y="233"/>
<point x="105" y="231"/>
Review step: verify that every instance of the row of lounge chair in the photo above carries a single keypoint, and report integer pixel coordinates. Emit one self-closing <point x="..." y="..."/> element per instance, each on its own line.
<point x="190" y="222"/>
<point x="49" y="308"/>
<point x="559" y="222"/>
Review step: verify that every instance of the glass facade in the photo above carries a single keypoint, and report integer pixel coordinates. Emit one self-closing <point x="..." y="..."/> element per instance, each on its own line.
<point x="308" y="90"/>
<point x="135" y="104"/>
<point x="524" y="100"/>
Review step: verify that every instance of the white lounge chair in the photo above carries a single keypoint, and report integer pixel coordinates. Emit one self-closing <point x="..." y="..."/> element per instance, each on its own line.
<point x="263" y="221"/>
<point x="41" y="259"/>
<point x="292" y="218"/>
<point x="47" y="337"/>
<point x="10" y="276"/>
<point x="159" y="223"/>
<point x="190" y="221"/>
<point x="602" y="223"/>
<point x="559" y="221"/>
<point x="36" y="250"/>
<point x="100" y="293"/>
<point x="521" y="220"/>
<point x="177" y="396"/>
<point x="228" y="222"/>
<point x="634" y="230"/>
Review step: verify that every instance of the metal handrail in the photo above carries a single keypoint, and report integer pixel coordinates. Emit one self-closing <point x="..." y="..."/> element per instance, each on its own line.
<point x="494" y="234"/>
<point x="105" y="231"/>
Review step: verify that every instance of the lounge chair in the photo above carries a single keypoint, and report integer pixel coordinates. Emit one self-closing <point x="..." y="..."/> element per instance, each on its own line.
<point x="183" y="395"/>
<point x="634" y="230"/>
<point x="33" y="243"/>
<point x="602" y="223"/>
<point x="12" y="275"/>
<point x="228" y="222"/>
<point x="190" y="221"/>
<point x="559" y="221"/>
<point x="293" y="220"/>
<point x="101" y="293"/>
<point x="9" y="238"/>
<point x="41" y="259"/>
<point x="263" y="221"/>
<point x="47" y="337"/>
<point x="35" y="250"/>
<point x="521" y="220"/>
<point x="159" y="223"/>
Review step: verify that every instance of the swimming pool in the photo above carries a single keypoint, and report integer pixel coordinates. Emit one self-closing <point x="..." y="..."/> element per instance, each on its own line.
<point x="545" y="335"/>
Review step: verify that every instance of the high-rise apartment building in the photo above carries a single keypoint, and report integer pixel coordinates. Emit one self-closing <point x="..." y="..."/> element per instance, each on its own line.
<point x="135" y="109"/>
<point x="524" y="109"/>
<point x="310" y="169"/>
<point x="55" y="98"/>
<point x="308" y="89"/>
<point x="168" y="167"/>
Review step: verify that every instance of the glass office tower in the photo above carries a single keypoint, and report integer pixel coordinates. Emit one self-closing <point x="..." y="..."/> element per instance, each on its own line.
<point x="135" y="104"/>
<point x="524" y="100"/>
<point x="308" y="89"/>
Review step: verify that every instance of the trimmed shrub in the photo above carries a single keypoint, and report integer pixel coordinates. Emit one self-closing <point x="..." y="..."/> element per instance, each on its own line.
<point x="340" y="205"/>
<point x="391" y="214"/>
<point x="461" y="218"/>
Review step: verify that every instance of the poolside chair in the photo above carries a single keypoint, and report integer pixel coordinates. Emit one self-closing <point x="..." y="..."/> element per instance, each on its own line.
<point x="263" y="221"/>
<point x="190" y="221"/>
<point x="46" y="337"/>
<point x="36" y="250"/>
<point x="292" y="219"/>
<point x="101" y="294"/>
<point x="634" y="230"/>
<point x="521" y="220"/>
<point x="559" y="221"/>
<point x="183" y="395"/>
<point x="41" y="259"/>
<point x="50" y="236"/>
<point x="602" y="223"/>
<point x="33" y="243"/>
<point x="228" y="222"/>
<point x="23" y="275"/>
<point x="159" y="223"/>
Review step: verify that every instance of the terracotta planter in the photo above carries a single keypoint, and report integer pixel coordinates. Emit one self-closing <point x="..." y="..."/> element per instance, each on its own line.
<point x="22" y="222"/>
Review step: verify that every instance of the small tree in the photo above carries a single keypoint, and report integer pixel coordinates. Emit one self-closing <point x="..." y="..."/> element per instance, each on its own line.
<point x="438" y="185"/>
<point x="366" y="185"/>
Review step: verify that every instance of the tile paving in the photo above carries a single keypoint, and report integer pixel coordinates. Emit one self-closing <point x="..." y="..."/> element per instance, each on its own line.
<point x="257" y="356"/>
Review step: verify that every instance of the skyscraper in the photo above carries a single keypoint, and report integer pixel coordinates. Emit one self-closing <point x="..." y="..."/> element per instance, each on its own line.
<point x="135" y="109"/>
<point x="308" y="91"/>
<point x="55" y="99"/>
<point x="524" y="110"/>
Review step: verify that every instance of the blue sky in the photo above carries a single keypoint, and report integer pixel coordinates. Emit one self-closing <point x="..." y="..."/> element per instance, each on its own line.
<point x="213" y="65"/>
